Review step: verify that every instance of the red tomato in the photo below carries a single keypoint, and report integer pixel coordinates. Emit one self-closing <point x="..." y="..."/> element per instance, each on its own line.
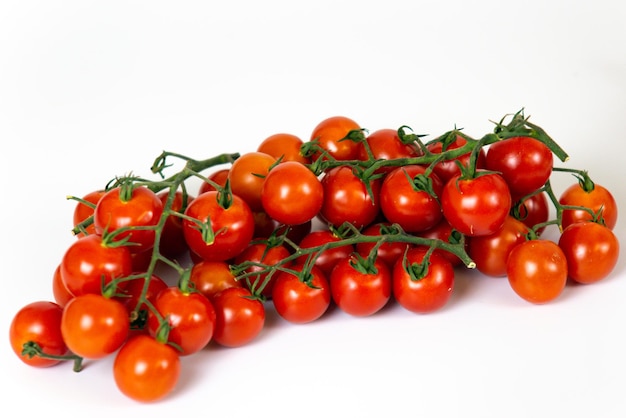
<point x="389" y="252"/>
<point x="247" y="175"/>
<point x="260" y="253"/>
<point x="524" y="162"/>
<point x="172" y="244"/>
<point x="133" y="290"/>
<point x="61" y="294"/>
<point x="219" y="177"/>
<point x="591" y="251"/>
<point x="490" y="252"/>
<point x="598" y="199"/>
<point x="239" y="317"/>
<point x="38" y="322"/>
<point x="385" y="144"/>
<point x="330" y="134"/>
<point x="142" y="209"/>
<point x="533" y="211"/>
<point x="284" y="146"/>
<point x="292" y="194"/>
<point x="429" y="293"/>
<point x="447" y="169"/>
<point x="296" y="301"/>
<point x="232" y="227"/>
<point x="537" y="270"/>
<point x="211" y="277"/>
<point x="94" y="326"/>
<point x="346" y="198"/>
<point x="404" y="203"/>
<point x="190" y="316"/>
<point x="443" y="231"/>
<point x="88" y="264"/>
<point x="327" y="259"/>
<point x="83" y="211"/>
<point x="476" y="206"/>
<point x="146" y="370"/>
<point x="360" y="293"/>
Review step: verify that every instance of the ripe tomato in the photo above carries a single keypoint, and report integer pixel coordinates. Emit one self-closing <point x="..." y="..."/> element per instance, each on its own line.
<point x="38" y="322"/>
<point x="389" y="252"/>
<point x="247" y="175"/>
<point x="533" y="211"/>
<point x="447" y="169"/>
<point x="537" y="270"/>
<point x="360" y="293"/>
<point x="296" y="301"/>
<point x="94" y="326"/>
<point x="219" y="177"/>
<point x="600" y="198"/>
<point x="385" y="144"/>
<point x="142" y="209"/>
<point x="476" y="206"/>
<point x="490" y="252"/>
<point x="429" y="293"/>
<point x="239" y="317"/>
<point x="83" y="211"/>
<point x="61" y="294"/>
<point x="346" y="198"/>
<point x="146" y="370"/>
<point x="232" y="227"/>
<point x="443" y="231"/>
<point x="328" y="258"/>
<point x="133" y="290"/>
<point x="330" y="134"/>
<point x="211" y="277"/>
<point x="292" y="194"/>
<point x="259" y="252"/>
<point x="524" y="162"/>
<point x="405" y="203"/>
<point x="190" y="316"/>
<point x="172" y="244"/>
<point x="88" y="264"/>
<point x="591" y="251"/>
<point x="284" y="146"/>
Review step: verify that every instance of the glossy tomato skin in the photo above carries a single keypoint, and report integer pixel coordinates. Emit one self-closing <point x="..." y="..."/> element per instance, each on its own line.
<point x="83" y="211"/>
<point x="328" y="258"/>
<point x="600" y="198"/>
<point x="239" y="317"/>
<point x="211" y="277"/>
<point x="146" y="370"/>
<point x="385" y="144"/>
<point x="533" y="211"/>
<point x="233" y="227"/>
<point x="443" y="231"/>
<point x="39" y="322"/>
<point x="401" y="203"/>
<point x="447" y="169"/>
<point x="476" y="206"/>
<point x="524" y="162"/>
<point x="191" y="318"/>
<point x="247" y="175"/>
<point x="389" y="252"/>
<point x="346" y="198"/>
<point x="88" y="264"/>
<point x="60" y="292"/>
<point x="94" y="326"/>
<point x="491" y="252"/>
<point x="260" y="252"/>
<point x="537" y="270"/>
<point x="284" y="146"/>
<point x="591" y="250"/>
<point x="297" y="302"/>
<point x="329" y="134"/>
<point x="360" y="293"/>
<point x="143" y="209"/>
<point x="292" y="194"/>
<point x="431" y="292"/>
<point x="219" y="177"/>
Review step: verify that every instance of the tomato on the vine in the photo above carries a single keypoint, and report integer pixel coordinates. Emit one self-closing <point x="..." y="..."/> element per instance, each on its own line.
<point x="446" y="169"/>
<point x="385" y="144"/>
<point x="298" y="302"/>
<point x="285" y="146"/>
<point x="598" y="199"/>
<point x="591" y="250"/>
<point x="331" y="134"/>
<point x="211" y="277"/>
<point x="239" y="317"/>
<point x="260" y="252"/>
<point x="443" y="231"/>
<point x="145" y="369"/>
<point x="532" y="211"/>
<point x="40" y="323"/>
<point x="59" y="290"/>
<point x="247" y="175"/>
<point x="172" y="243"/>
<point x="325" y="259"/>
<point x="218" y="177"/>
<point x="83" y="211"/>
<point x="389" y="252"/>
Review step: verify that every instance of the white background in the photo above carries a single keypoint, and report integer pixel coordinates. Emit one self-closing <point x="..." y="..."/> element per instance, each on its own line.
<point x="90" y="90"/>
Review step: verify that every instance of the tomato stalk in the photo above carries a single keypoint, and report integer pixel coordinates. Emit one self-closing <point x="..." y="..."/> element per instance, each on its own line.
<point x="32" y="349"/>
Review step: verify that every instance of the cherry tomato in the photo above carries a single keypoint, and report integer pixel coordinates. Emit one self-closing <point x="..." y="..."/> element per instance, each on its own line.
<point x="89" y="263"/>
<point x="94" y="326"/>
<point x="330" y="134"/>
<point x="346" y="198"/>
<point x="219" y="177"/>
<point x="524" y="162"/>
<point x="83" y="211"/>
<point x="591" y="251"/>
<point x="190" y="316"/>
<point x="142" y="209"/>
<point x="328" y="258"/>
<point x="447" y="169"/>
<point x="211" y="277"/>
<point x="233" y="227"/>
<point x="146" y="370"/>
<point x="292" y="194"/>
<point x="476" y="206"/>
<point x="537" y="270"/>
<point x="385" y="144"/>
<point x="239" y="317"/>
<point x="443" y="231"/>
<point x="38" y="322"/>
<point x="296" y="301"/>
<point x="61" y="294"/>
<point x="389" y="252"/>
<point x="259" y="252"/>
<point x="284" y="146"/>
<point x="405" y="203"/>
<point x="131" y="295"/>
<point x="533" y="211"/>
<point x="598" y="199"/>
<point x="172" y="244"/>
<point x="428" y="293"/>
<point x="491" y="252"/>
<point x="247" y="175"/>
<point x="360" y="293"/>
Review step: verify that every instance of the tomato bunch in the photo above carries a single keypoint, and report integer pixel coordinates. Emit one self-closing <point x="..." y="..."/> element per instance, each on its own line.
<point x="348" y="218"/>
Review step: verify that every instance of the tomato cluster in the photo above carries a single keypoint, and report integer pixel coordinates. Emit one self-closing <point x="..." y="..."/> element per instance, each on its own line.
<point x="348" y="217"/>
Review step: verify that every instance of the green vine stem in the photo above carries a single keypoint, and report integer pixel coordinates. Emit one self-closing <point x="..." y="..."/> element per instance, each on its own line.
<point x="32" y="349"/>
